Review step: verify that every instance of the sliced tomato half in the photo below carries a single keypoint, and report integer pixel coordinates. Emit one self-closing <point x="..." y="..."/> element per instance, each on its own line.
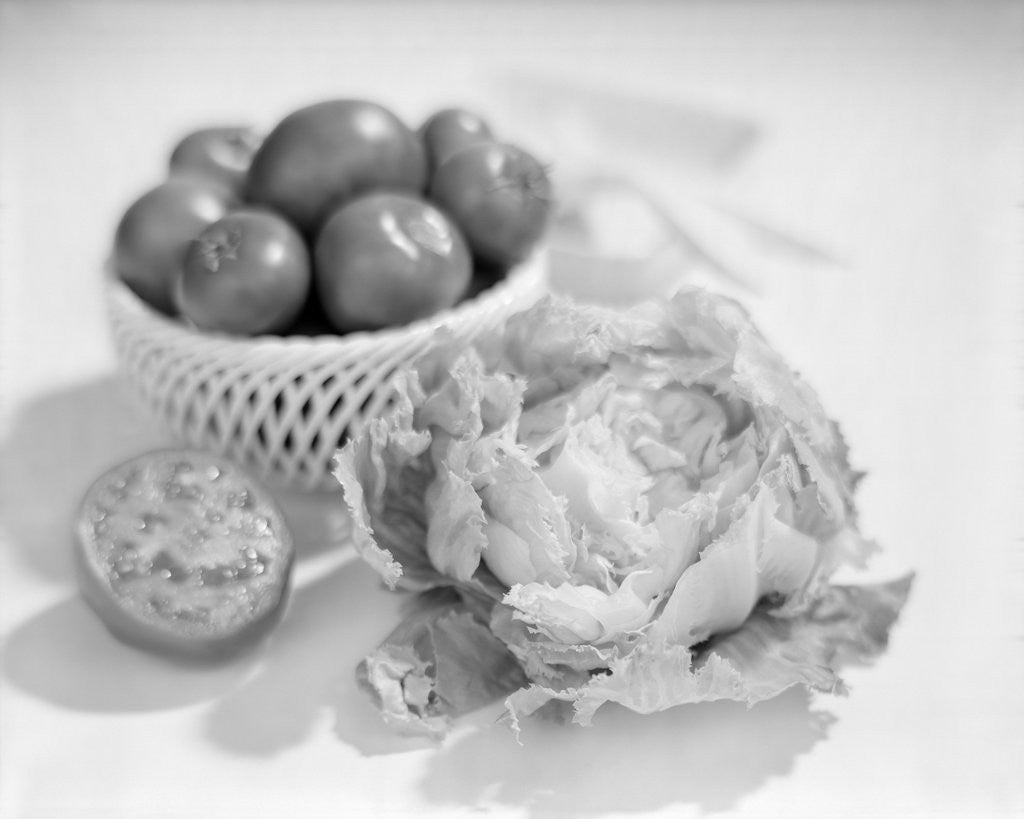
<point x="182" y="553"/>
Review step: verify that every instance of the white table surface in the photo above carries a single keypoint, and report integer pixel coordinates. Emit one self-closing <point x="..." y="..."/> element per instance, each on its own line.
<point x="891" y="135"/>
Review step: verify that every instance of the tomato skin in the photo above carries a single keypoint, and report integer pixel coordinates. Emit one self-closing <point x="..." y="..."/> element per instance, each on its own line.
<point x="222" y="155"/>
<point x="319" y="157"/>
<point x="387" y="259"/>
<point x="499" y="195"/>
<point x="248" y="273"/>
<point x="154" y="232"/>
<point x="449" y="130"/>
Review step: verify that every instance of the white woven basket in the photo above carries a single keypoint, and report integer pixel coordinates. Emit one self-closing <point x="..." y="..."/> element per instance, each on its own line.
<point x="281" y="405"/>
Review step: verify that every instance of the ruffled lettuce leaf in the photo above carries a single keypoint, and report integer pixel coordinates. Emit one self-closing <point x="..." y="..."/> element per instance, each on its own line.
<point x="757" y="557"/>
<point x="580" y="613"/>
<point x="384" y="489"/>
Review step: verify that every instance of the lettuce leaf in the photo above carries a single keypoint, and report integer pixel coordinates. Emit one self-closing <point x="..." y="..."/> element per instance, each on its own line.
<point x="441" y="662"/>
<point x="760" y="660"/>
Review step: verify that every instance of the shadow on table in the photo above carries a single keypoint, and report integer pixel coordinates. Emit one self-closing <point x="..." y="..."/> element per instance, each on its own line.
<point x="309" y="670"/>
<point x="709" y="755"/>
<point x="261" y="702"/>
<point x="57" y="444"/>
<point x="65" y="656"/>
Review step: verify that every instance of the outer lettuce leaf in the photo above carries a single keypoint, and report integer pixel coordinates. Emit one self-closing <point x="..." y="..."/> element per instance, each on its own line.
<point x="441" y="662"/>
<point x="384" y="485"/>
<point x="760" y="660"/>
<point x="848" y="625"/>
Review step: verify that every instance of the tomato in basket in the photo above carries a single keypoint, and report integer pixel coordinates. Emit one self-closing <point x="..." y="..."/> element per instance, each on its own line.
<point x="321" y="156"/>
<point x="182" y="553"/>
<point x="387" y="259"/>
<point x="499" y="195"/>
<point x="153" y="235"/>
<point x="449" y="130"/>
<point x="248" y="272"/>
<point x="221" y="154"/>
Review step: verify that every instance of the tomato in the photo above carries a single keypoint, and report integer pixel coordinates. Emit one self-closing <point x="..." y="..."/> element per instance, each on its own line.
<point x="221" y="155"/>
<point x="183" y="553"/>
<point x="248" y="272"/>
<point x="499" y="195"/>
<point x="388" y="259"/>
<point x="450" y="130"/>
<point x="319" y="157"/>
<point x="153" y="235"/>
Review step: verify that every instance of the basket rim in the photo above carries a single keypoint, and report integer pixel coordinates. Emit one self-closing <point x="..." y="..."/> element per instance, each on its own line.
<point x="525" y="276"/>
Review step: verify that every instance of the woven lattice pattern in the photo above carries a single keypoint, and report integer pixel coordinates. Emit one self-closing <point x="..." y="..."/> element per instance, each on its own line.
<point x="282" y="405"/>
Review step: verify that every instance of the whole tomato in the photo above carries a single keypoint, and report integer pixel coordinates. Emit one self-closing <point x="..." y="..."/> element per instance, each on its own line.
<point x="153" y="235"/>
<point x="449" y="130"/>
<point x="246" y="273"/>
<point x="221" y="154"/>
<point x="319" y="157"/>
<point x="499" y="195"/>
<point x="387" y="259"/>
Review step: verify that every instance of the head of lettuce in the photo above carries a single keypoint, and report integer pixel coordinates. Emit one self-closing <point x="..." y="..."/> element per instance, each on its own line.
<point x="642" y="507"/>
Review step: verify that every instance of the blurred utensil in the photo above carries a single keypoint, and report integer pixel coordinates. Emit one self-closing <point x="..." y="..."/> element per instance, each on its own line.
<point x="614" y="242"/>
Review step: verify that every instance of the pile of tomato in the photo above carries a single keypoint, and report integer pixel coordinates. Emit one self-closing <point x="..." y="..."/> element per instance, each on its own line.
<point x="341" y="214"/>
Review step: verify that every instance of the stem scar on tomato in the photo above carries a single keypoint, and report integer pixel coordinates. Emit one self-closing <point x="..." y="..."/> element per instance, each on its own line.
<point x="218" y="246"/>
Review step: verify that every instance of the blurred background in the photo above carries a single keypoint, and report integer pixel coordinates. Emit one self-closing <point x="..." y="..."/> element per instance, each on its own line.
<point x="857" y="169"/>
